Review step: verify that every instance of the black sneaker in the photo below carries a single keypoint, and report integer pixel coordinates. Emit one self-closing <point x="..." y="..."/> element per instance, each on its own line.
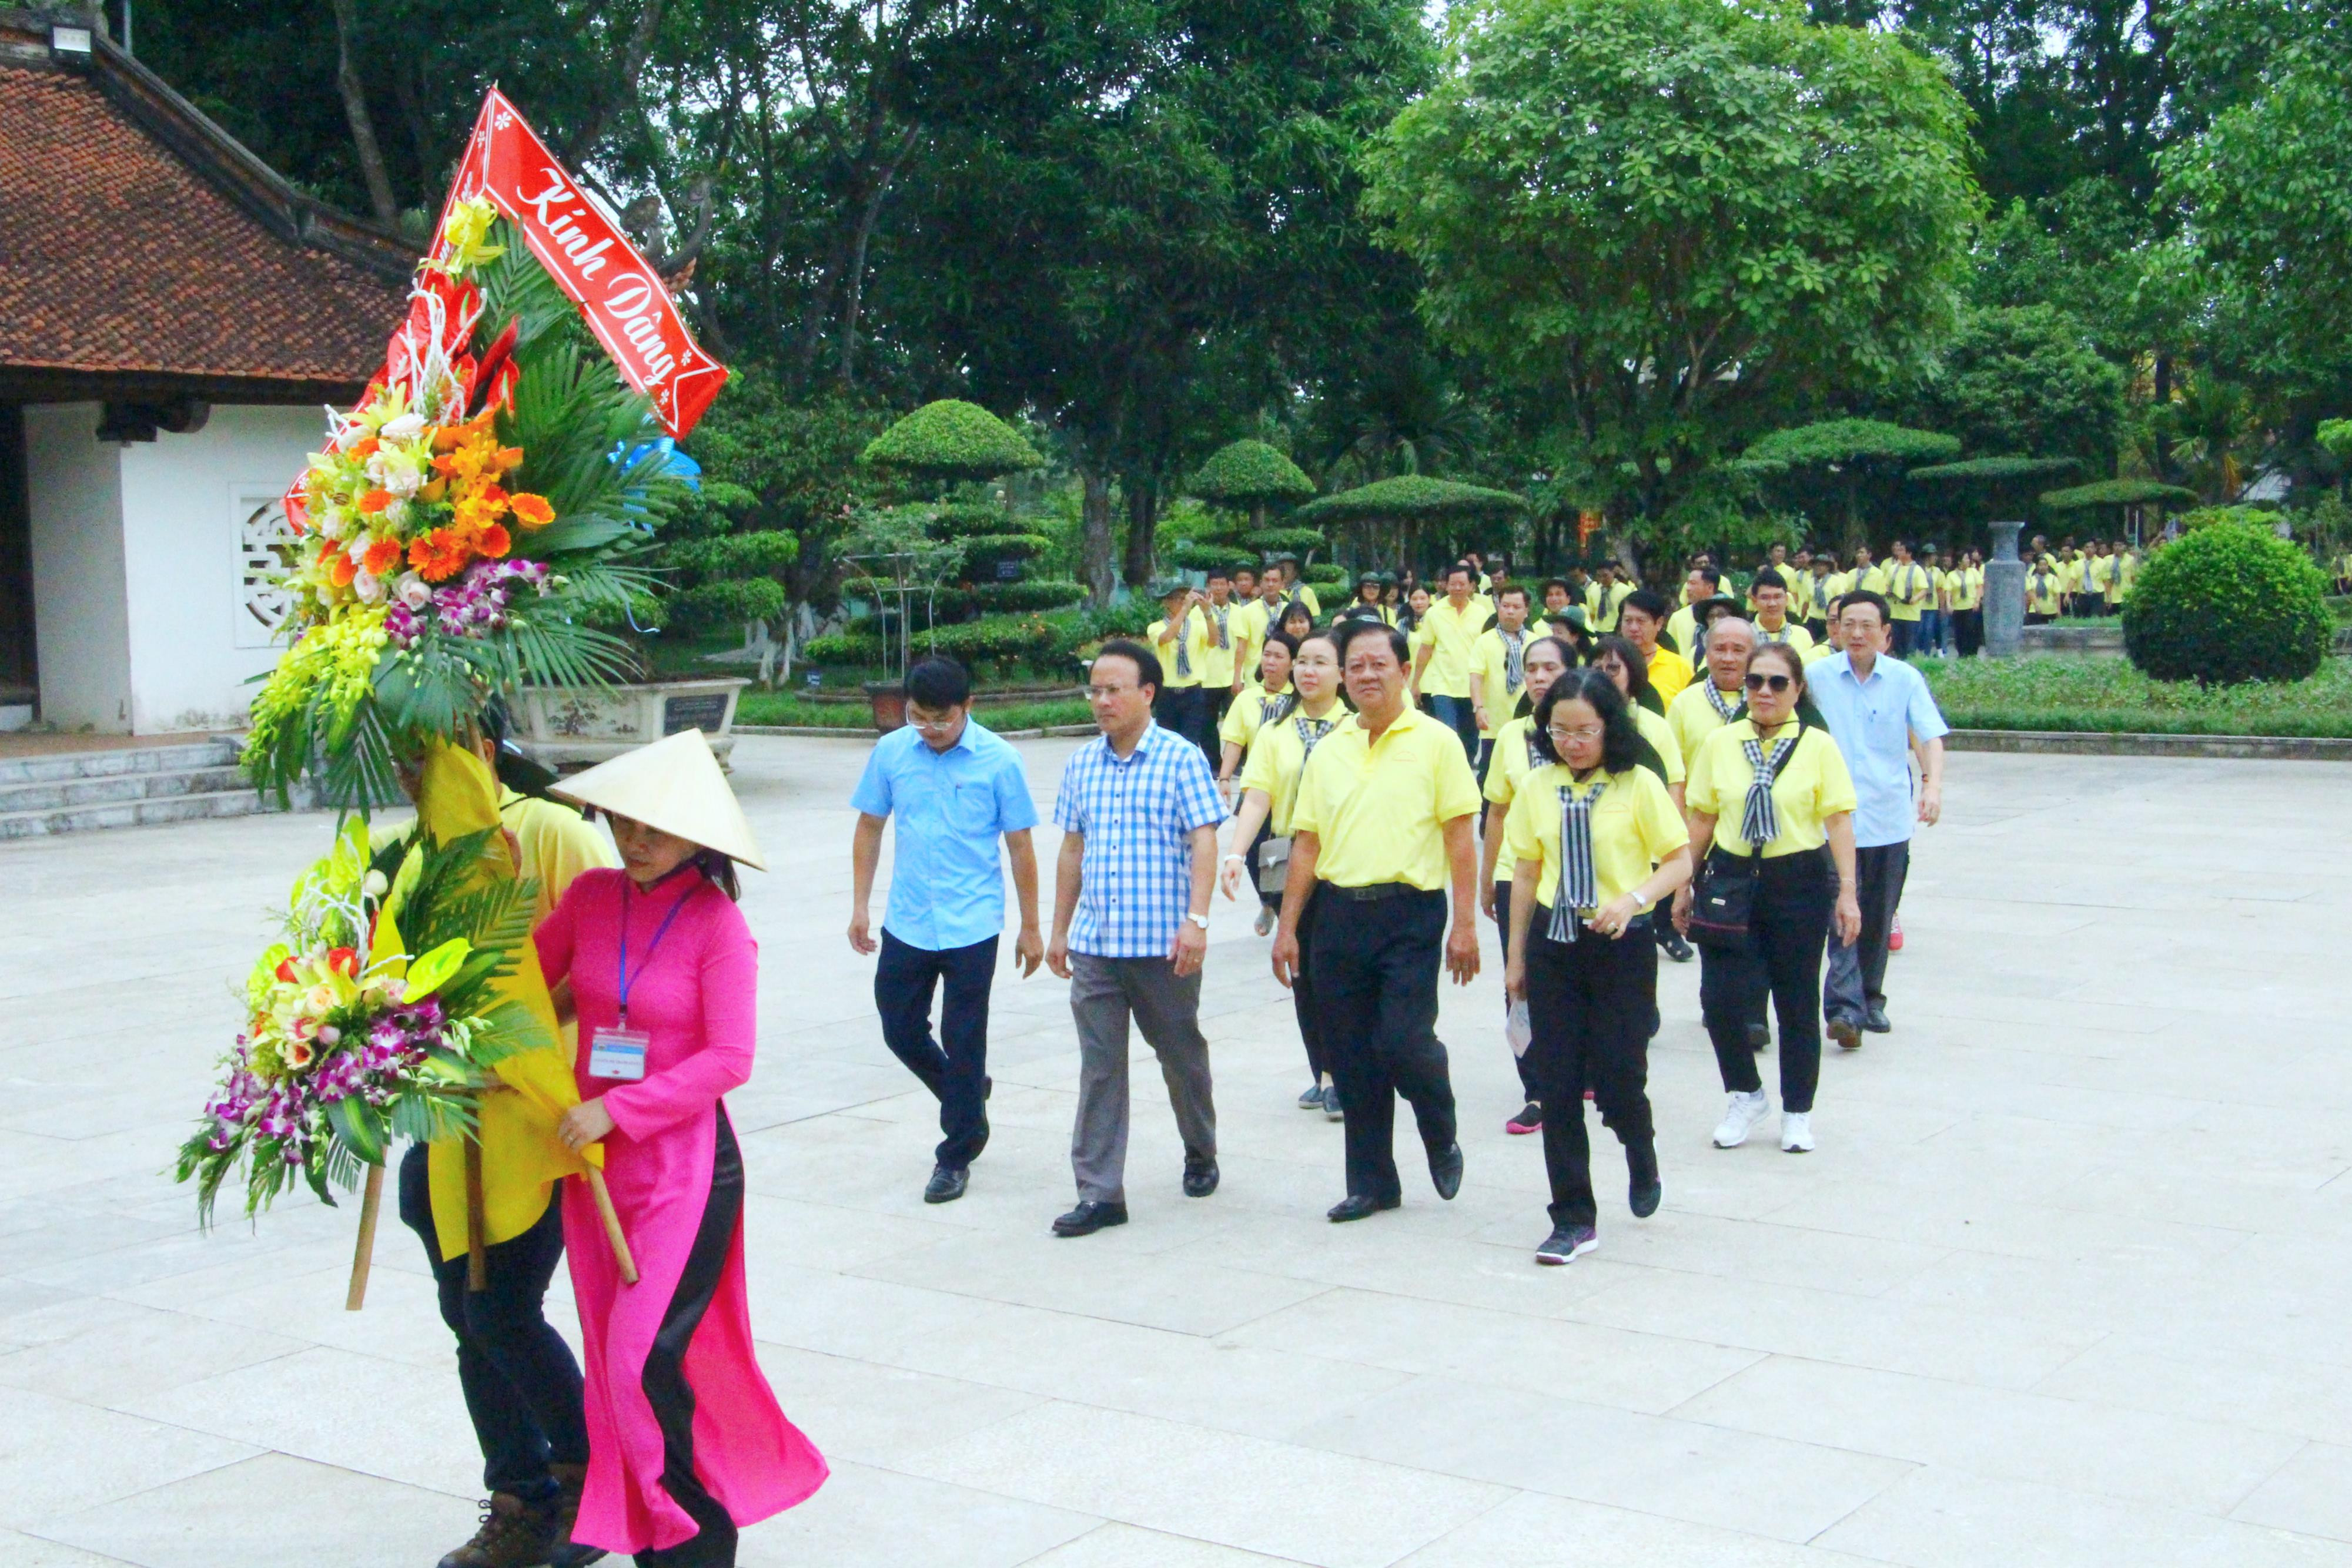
<point x="1675" y="947"/>
<point x="1567" y="1243"/>
<point x="1313" y="1099"/>
<point x="1759" y="1037"/>
<point x="567" y="1552"/>
<point x="1200" y="1177"/>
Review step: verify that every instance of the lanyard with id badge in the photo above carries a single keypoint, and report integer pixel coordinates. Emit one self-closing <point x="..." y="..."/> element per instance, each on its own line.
<point x="617" y="1052"/>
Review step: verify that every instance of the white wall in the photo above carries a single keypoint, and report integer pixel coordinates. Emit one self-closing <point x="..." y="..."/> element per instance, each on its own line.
<point x="81" y="623"/>
<point x="193" y="644"/>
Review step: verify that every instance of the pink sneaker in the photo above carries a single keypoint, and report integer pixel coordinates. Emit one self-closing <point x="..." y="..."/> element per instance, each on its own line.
<point x="1529" y="1120"/>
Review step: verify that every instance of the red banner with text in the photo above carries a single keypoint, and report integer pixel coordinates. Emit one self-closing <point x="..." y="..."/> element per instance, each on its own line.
<point x="620" y="296"/>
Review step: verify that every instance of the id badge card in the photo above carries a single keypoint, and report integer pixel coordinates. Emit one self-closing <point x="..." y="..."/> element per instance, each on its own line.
<point x="617" y="1053"/>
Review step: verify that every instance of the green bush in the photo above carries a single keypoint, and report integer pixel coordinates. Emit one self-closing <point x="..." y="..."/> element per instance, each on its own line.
<point x="951" y="439"/>
<point x="2228" y="604"/>
<point x="1327" y="574"/>
<point x="1199" y="557"/>
<point x="1294" y="541"/>
<point x="852" y="648"/>
<point x="1037" y="593"/>
<point x="729" y="602"/>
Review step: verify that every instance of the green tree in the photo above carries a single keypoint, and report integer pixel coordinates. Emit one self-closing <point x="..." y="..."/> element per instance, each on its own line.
<point x="1857" y="464"/>
<point x="2022" y="380"/>
<point x="1674" y="217"/>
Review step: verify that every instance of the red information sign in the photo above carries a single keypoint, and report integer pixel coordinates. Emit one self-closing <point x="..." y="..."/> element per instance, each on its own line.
<point x="620" y="296"/>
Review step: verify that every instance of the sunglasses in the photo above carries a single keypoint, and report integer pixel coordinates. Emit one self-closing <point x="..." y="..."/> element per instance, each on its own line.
<point x="1761" y="682"/>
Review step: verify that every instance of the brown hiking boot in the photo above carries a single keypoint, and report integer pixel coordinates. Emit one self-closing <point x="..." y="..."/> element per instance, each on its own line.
<point x="564" y="1553"/>
<point x="514" y="1534"/>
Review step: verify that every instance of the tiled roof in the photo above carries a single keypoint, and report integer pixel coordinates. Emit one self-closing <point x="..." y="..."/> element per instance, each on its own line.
<point x="118" y="257"/>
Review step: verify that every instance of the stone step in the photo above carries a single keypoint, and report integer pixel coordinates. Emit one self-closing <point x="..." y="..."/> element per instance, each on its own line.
<point x="54" y="767"/>
<point x="114" y="789"/>
<point x="141" y="813"/>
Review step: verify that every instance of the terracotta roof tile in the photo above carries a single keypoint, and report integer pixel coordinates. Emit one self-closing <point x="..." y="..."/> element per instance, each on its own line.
<point x="117" y="257"/>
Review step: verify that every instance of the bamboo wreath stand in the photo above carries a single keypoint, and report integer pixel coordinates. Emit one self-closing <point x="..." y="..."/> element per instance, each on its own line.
<point x="476" y="1259"/>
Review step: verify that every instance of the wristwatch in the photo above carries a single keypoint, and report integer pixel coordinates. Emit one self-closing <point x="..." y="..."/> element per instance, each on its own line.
<point x="1199" y="920"/>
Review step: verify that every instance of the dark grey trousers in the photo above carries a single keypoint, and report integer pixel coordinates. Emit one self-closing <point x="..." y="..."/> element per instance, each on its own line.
<point x="1105" y="994"/>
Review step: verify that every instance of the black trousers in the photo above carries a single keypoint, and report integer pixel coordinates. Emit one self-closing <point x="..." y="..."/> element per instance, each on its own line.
<point x="521" y="1385"/>
<point x="1795" y="896"/>
<point x="1503" y="919"/>
<point x="1590" y="1001"/>
<point x="1906" y="635"/>
<point x="663" y="1378"/>
<point x="1305" y="1000"/>
<point x="1214" y="702"/>
<point x="1879" y="871"/>
<point x="954" y="1066"/>
<point x="1967" y="631"/>
<point x="1184" y="709"/>
<point x="1376" y="980"/>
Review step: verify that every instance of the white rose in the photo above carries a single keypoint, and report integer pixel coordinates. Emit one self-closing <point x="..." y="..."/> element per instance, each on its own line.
<point x="408" y="427"/>
<point x="414" y="591"/>
<point x="367" y="585"/>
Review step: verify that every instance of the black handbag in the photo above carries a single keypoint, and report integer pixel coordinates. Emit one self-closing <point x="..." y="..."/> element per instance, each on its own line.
<point x="1723" y="906"/>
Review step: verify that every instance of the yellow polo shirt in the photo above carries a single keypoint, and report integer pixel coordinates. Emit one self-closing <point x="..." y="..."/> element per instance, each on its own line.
<point x="1910" y="588"/>
<point x="1811" y="787"/>
<point x="1249" y="628"/>
<point x="1794" y="635"/>
<point x="1683" y="627"/>
<point x="1511" y="760"/>
<point x="1602" y="610"/>
<point x="1190" y="669"/>
<point x="1820" y="593"/>
<point x="1634" y="826"/>
<point x="1875" y="580"/>
<point x="1379" y="809"/>
<point x="1490" y="662"/>
<point x="2127" y="573"/>
<point x="1306" y="595"/>
<point x="1693" y="718"/>
<point x="1964" y="585"/>
<point x="1217" y="671"/>
<point x="1669" y="672"/>
<point x="1276" y="758"/>
<point x="1252" y="706"/>
<point x="1451" y="635"/>
<point x="2042" y="588"/>
<point x="1661" y="736"/>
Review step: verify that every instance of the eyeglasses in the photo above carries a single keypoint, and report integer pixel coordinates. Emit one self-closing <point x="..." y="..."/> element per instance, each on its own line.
<point x="1760" y="683"/>
<point x="931" y="725"/>
<point x="1586" y="732"/>
<point x="1104" y="693"/>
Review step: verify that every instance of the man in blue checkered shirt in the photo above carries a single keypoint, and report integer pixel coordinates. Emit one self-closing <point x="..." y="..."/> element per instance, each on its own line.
<point x="1139" y="812"/>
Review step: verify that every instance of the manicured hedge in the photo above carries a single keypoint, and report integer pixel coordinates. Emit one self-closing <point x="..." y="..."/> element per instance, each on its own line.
<point x="953" y="439"/>
<point x="2228" y="604"/>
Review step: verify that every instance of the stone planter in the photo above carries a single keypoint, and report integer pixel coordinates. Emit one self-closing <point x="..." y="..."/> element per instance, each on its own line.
<point x="889" y="701"/>
<point x="571" y="727"/>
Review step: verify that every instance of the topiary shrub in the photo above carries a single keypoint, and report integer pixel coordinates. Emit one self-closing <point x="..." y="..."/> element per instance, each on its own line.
<point x="2227" y="603"/>
<point x="1328" y="574"/>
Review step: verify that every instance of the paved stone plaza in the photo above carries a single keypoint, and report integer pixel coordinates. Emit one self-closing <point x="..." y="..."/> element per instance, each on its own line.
<point x="2066" y="1283"/>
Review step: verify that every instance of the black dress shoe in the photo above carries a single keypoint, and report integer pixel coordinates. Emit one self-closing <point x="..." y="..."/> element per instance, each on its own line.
<point x="1642" y="1198"/>
<point x="1642" y="1189"/>
<point x="1445" y="1170"/>
<point x="1357" y="1206"/>
<point x="1200" y="1177"/>
<point x="946" y="1184"/>
<point x="1846" y="1032"/>
<point x="1875" y="1019"/>
<point x="1760" y="1036"/>
<point x="1089" y="1217"/>
<point x="1675" y="947"/>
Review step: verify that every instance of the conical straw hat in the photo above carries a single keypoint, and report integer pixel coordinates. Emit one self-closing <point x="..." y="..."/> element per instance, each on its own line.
<point x="674" y="785"/>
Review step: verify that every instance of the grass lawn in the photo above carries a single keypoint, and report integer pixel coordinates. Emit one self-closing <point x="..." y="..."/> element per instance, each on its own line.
<point x="787" y="708"/>
<point x="2053" y="692"/>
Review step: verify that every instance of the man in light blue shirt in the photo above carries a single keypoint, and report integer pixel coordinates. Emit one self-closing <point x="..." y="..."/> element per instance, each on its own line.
<point x="1878" y="707"/>
<point x="954" y="788"/>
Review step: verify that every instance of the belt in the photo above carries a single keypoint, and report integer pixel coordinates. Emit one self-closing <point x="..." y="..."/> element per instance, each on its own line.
<point x="1543" y="915"/>
<point x="1375" y="891"/>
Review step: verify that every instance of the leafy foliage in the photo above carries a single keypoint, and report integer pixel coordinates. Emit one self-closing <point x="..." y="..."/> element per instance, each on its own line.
<point x="2227" y="604"/>
<point x="1413" y="497"/>
<point x="951" y="439"/>
<point x="2058" y="691"/>
<point x="1249" y="473"/>
<point x="2023" y="380"/>
<point x="2118" y="493"/>
<point x="1670" y="217"/>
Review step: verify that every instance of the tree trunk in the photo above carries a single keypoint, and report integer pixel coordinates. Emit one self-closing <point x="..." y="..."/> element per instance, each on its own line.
<point x="355" y="110"/>
<point x="2163" y="438"/>
<point x="1143" y="525"/>
<point x="1094" y="541"/>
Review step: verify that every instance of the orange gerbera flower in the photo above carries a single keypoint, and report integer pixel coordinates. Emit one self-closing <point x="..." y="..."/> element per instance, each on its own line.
<point x="494" y="541"/>
<point x="506" y="457"/>
<point x="437" y="556"/>
<point x="341" y="568"/>
<point x="531" y="511"/>
<point x="382" y="556"/>
<point x="375" y="501"/>
<point x="363" y="450"/>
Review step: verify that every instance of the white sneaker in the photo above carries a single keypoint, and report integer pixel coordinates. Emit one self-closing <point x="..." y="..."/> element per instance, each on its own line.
<point x="1796" y="1131"/>
<point x="1264" y="920"/>
<point x="1739" y="1118"/>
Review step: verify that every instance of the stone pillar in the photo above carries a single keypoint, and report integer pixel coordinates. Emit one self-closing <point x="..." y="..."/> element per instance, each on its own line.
<point x="2004" y="593"/>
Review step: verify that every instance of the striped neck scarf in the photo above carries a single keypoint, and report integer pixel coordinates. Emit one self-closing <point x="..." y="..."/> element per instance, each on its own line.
<point x="1272" y="708"/>
<point x="1536" y="759"/>
<point x="1515" y="667"/>
<point x="1218" y="615"/>
<point x="1580" y="877"/>
<point x="1759" y="823"/>
<point x="1723" y="708"/>
<point x="1311" y="732"/>
<point x="1183" y="644"/>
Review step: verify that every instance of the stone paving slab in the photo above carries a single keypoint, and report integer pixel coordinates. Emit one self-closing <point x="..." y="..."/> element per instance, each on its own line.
<point x="2065" y="1282"/>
